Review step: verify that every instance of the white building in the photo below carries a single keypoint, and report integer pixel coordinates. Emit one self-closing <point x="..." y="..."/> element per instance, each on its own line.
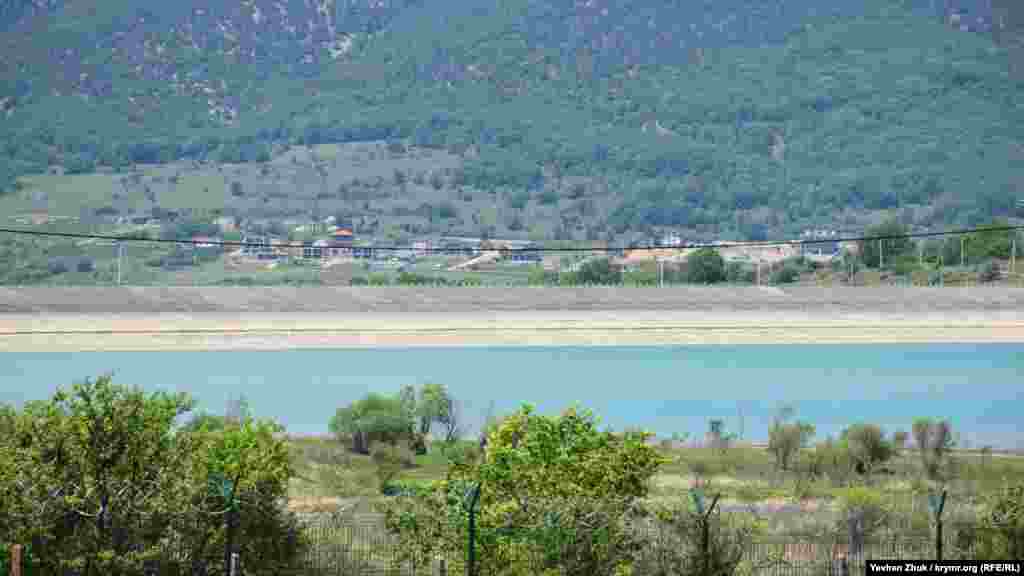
<point x="672" y="239"/>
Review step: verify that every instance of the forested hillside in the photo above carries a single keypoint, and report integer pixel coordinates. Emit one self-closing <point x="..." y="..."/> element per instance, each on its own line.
<point x="686" y="113"/>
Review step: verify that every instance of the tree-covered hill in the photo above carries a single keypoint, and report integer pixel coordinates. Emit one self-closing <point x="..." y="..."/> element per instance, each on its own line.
<point x="686" y="112"/>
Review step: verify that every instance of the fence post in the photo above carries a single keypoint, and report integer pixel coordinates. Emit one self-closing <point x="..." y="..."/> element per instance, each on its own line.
<point x="474" y="496"/>
<point x="16" y="560"/>
<point x="234" y="564"/>
<point x="937" y="505"/>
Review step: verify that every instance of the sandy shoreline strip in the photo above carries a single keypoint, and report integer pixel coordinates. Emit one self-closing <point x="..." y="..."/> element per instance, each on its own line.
<point x="270" y="318"/>
<point x="305" y="330"/>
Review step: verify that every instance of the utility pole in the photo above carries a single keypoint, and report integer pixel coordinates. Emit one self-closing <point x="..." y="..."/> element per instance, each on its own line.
<point x="1013" y="254"/>
<point x="963" y="256"/>
<point x="661" y="273"/>
<point x="881" y="258"/>
<point x="120" y="252"/>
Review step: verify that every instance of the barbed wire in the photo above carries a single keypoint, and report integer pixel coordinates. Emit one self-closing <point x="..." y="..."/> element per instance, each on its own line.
<point x="397" y="248"/>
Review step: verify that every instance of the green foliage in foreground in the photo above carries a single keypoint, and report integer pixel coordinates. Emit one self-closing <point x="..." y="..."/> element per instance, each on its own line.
<point x="555" y="492"/>
<point x="100" y="478"/>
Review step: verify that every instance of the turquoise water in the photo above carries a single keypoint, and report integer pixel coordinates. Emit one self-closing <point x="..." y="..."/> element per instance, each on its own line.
<point x="664" y="389"/>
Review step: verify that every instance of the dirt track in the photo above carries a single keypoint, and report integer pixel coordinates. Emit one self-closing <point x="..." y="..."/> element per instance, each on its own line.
<point x="817" y="301"/>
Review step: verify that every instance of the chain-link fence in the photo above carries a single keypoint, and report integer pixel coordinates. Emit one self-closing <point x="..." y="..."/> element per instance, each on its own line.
<point x="343" y="547"/>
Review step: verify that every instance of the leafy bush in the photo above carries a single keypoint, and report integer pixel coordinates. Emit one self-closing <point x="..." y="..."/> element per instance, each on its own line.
<point x="1001" y="526"/>
<point x="678" y="549"/>
<point x="519" y="200"/>
<point x="376" y="418"/>
<point x="988" y="272"/>
<point x="436" y="181"/>
<point x="548" y="197"/>
<point x="378" y="280"/>
<point x="85" y="265"/>
<point x="446" y="210"/>
<point x="105" y="437"/>
<point x="57" y="266"/>
<point x="390" y="460"/>
<point x="864" y="512"/>
<point x="705" y="266"/>
<point x="934" y="440"/>
<point x="786" y="439"/>
<point x="460" y="453"/>
<point x="834" y="460"/>
<point x="555" y="493"/>
<point x="867" y="445"/>
<point x="598" y="271"/>
<point x="737" y="272"/>
<point x="787" y="274"/>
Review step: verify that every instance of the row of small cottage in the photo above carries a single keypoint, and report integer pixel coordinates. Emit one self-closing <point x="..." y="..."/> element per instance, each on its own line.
<point x="340" y="243"/>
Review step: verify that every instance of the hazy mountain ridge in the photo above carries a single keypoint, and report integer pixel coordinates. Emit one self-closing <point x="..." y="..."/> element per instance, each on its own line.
<point x="686" y="110"/>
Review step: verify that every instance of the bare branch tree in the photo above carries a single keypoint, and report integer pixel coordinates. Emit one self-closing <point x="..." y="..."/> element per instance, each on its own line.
<point x="486" y="424"/>
<point x="454" y="427"/>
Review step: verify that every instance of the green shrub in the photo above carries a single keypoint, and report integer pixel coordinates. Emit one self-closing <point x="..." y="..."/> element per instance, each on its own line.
<point x="988" y="272"/>
<point x="867" y="445"/>
<point x="548" y="197"/>
<point x="1001" y="526"/>
<point x="519" y="200"/>
<point x="390" y="460"/>
<point x="787" y="274"/>
<point x="677" y="551"/>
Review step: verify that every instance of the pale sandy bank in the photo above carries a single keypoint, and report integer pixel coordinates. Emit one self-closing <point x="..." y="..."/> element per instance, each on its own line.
<point x="188" y="318"/>
<point x="268" y="331"/>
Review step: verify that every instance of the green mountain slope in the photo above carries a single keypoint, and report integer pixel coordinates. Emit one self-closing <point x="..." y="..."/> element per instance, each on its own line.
<point x="738" y="114"/>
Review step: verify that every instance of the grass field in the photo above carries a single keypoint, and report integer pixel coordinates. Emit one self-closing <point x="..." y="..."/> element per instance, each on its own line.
<point x="745" y="475"/>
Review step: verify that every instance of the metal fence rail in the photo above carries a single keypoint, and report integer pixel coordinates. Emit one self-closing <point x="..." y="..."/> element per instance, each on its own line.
<point x="345" y="548"/>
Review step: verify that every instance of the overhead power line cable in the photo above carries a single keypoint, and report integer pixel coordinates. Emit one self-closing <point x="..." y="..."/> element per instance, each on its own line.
<point x="764" y="244"/>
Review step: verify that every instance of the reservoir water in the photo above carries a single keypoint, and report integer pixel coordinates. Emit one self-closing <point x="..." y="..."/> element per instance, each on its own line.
<point x="663" y="389"/>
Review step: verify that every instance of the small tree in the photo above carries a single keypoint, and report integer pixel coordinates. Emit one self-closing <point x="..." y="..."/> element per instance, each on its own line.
<point x="864" y="513"/>
<point x="390" y="460"/>
<point x="99" y="478"/>
<point x="836" y="461"/>
<point x="880" y="237"/>
<point x="552" y="488"/>
<point x="436" y="181"/>
<point x="375" y="418"/>
<point x="599" y="271"/>
<point x="705" y="266"/>
<point x="786" y="439"/>
<point x="867" y="445"/>
<point x="899" y="441"/>
<point x="698" y="541"/>
<point x="934" y="440"/>
<point x="720" y="439"/>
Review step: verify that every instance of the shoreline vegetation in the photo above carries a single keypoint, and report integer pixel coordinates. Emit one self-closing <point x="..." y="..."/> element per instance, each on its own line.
<point x="182" y="318"/>
<point x="393" y="462"/>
